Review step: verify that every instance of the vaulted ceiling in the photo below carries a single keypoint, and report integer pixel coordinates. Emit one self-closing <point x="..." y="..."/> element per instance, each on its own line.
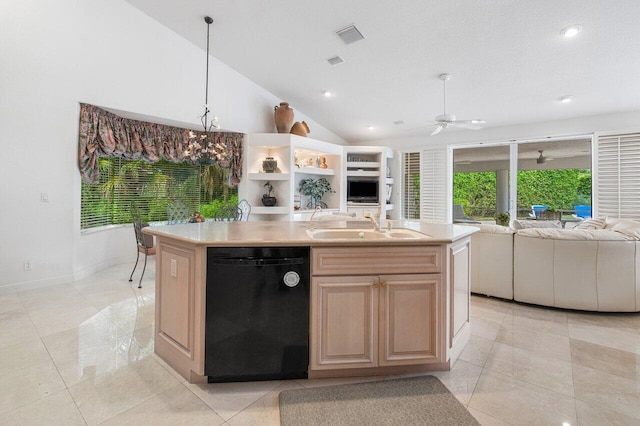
<point x="508" y="60"/>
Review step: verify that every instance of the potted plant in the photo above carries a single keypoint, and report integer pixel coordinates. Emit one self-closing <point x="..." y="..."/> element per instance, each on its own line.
<point x="502" y="219"/>
<point x="268" y="199"/>
<point x="315" y="190"/>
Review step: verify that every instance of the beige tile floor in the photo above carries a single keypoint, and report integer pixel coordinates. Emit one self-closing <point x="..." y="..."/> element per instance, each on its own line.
<point x="82" y="353"/>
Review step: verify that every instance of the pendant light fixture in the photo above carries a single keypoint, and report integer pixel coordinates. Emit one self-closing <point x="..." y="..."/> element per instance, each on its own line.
<point x="202" y="147"/>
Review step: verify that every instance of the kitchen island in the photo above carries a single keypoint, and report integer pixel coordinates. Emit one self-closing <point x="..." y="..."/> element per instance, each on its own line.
<point x="381" y="302"/>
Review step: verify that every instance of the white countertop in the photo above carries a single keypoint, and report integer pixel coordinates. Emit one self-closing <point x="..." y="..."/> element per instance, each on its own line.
<point x="293" y="233"/>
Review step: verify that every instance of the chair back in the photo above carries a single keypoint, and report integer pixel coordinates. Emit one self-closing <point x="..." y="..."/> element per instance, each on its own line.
<point x="144" y="241"/>
<point x="177" y="212"/>
<point x="245" y="208"/>
<point x="230" y="213"/>
<point x="583" y="211"/>
<point x="537" y="209"/>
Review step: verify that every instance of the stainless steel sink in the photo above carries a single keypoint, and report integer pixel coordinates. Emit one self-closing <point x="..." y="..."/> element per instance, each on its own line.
<point x="365" y="234"/>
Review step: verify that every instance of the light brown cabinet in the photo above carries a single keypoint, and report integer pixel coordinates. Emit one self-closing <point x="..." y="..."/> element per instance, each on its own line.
<point x="387" y="319"/>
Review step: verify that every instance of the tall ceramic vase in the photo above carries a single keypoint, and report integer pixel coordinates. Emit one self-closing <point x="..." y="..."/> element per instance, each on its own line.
<point x="283" y="116"/>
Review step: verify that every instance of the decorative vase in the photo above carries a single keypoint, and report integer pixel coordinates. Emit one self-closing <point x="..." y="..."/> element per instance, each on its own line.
<point x="268" y="201"/>
<point x="300" y="129"/>
<point x="269" y="165"/>
<point x="283" y="116"/>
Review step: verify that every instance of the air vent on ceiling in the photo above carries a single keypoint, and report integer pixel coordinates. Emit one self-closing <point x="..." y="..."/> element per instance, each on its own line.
<point x="399" y="122"/>
<point x="335" y="60"/>
<point x="350" y="34"/>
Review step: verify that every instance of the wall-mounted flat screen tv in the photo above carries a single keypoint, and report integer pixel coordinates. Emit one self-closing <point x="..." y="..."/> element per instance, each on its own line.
<point x="362" y="191"/>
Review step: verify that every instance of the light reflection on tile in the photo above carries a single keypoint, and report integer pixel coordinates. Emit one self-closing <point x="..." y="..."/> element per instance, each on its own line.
<point x="532" y="367"/>
<point x="112" y="393"/>
<point x="517" y="402"/>
<point x="97" y="334"/>
<point x="607" y="391"/>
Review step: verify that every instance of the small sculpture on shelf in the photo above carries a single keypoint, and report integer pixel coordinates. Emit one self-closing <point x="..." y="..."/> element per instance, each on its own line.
<point x="300" y="129"/>
<point x="267" y="199"/>
<point x="269" y="165"/>
<point x="323" y="162"/>
<point x="283" y="116"/>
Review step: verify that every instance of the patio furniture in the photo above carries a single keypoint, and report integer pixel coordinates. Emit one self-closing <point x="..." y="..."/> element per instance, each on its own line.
<point x="537" y="209"/>
<point x="582" y="211"/>
<point x="459" y="215"/>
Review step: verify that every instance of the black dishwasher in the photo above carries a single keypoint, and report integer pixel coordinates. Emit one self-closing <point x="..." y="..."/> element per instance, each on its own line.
<point x="257" y="318"/>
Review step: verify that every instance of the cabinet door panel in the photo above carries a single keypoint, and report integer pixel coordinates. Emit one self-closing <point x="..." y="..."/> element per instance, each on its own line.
<point x="344" y="318"/>
<point x="409" y="318"/>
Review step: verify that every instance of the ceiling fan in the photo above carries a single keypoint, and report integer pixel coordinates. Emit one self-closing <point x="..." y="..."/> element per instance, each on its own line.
<point x="542" y="159"/>
<point x="449" y="120"/>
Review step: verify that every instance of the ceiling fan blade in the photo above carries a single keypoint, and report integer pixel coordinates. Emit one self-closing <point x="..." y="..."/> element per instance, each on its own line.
<point x="466" y="125"/>
<point x="474" y="121"/>
<point x="437" y="130"/>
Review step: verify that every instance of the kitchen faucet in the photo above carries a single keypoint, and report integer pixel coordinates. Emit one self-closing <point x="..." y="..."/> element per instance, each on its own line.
<point x="317" y="209"/>
<point x="376" y="223"/>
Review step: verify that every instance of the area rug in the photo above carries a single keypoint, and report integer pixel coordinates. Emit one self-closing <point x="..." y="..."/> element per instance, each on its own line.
<point x="420" y="400"/>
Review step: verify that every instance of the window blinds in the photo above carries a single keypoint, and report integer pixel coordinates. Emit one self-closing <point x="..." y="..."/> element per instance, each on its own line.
<point x="618" y="182"/>
<point x="434" y="185"/>
<point x="151" y="185"/>
<point x="411" y="185"/>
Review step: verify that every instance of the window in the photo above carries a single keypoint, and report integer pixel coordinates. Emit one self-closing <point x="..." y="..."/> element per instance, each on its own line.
<point x="619" y="176"/>
<point x="411" y="185"/>
<point x="152" y="186"/>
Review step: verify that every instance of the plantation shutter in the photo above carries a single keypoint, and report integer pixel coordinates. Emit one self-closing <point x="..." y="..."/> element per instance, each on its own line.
<point x="411" y="185"/>
<point x="618" y="182"/>
<point x="434" y="185"/>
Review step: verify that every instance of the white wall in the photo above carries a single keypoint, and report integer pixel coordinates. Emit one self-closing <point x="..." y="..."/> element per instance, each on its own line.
<point x="106" y="53"/>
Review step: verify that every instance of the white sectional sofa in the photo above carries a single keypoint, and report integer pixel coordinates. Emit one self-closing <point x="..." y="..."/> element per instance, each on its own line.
<point x="585" y="269"/>
<point x="492" y="261"/>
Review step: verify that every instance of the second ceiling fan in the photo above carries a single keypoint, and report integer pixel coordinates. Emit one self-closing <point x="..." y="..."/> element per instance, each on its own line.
<point x="449" y="120"/>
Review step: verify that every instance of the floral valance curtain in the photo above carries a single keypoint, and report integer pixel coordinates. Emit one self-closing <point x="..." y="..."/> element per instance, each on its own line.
<point x="104" y="134"/>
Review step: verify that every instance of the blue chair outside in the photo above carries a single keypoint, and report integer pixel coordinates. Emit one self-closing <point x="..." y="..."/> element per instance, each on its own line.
<point x="538" y="209"/>
<point x="583" y="211"/>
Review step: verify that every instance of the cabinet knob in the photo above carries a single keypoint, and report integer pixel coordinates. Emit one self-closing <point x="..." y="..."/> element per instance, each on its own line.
<point x="383" y="284"/>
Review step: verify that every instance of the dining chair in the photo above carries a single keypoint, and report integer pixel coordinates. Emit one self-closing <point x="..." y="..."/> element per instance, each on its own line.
<point x="144" y="242"/>
<point x="245" y="208"/>
<point x="177" y="212"/>
<point x="229" y="213"/>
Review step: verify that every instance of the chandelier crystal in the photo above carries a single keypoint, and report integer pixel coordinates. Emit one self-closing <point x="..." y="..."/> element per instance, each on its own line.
<point x="202" y="147"/>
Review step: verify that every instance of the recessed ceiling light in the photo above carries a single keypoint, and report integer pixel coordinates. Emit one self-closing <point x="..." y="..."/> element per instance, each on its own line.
<point x="327" y="94"/>
<point x="565" y="99"/>
<point x="571" y="31"/>
<point x="370" y="127"/>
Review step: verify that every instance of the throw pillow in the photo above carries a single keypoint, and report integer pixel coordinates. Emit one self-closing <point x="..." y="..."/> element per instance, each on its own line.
<point x="628" y="227"/>
<point x="593" y="223"/>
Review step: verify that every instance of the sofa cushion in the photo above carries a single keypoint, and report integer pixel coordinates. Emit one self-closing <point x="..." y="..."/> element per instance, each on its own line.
<point x="628" y="227"/>
<point x="527" y="224"/>
<point x="592" y="223"/>
<point x="488" y="228"/>
<point x="574" y="234"/>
